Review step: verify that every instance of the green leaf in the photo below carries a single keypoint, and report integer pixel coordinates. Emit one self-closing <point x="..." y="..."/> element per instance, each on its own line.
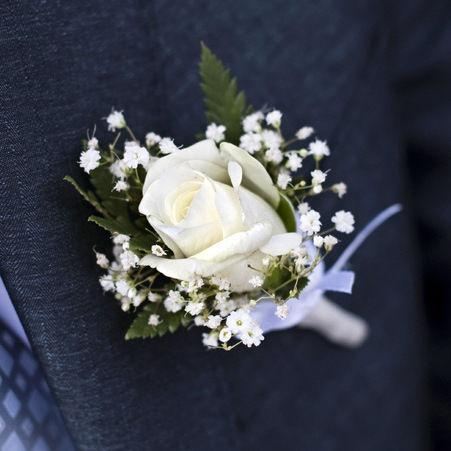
<point x="112" y="225"/>
<point x="88" y="196"/>
<point x="140" y="327"/>
<point x="170" y="322"/>
<point x="223" y="103"/>
<point x="141" y="243"/>
<point x="103" y="182"/>
<point x="286" y="212"/>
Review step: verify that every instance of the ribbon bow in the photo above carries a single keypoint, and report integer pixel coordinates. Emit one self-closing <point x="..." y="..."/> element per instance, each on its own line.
<point x="313" y="310"/>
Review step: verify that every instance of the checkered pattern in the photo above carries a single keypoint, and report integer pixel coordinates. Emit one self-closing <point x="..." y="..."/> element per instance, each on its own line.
<point x="29" y="419"/>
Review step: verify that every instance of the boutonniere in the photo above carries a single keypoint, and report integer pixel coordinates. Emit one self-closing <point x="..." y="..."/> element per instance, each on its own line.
<point x="221" y="234"/>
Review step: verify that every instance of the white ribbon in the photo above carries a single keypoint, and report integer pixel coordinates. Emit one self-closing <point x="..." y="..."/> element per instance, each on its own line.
<point x="313" y="310"/>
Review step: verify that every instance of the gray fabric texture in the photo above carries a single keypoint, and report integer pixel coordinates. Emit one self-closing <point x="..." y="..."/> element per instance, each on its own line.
<point x="322" y="63"/>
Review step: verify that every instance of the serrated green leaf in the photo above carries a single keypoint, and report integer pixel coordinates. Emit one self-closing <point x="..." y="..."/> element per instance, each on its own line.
<point x="173" y="323"/>
<point x="103" y="183"/>
<point x="88" y="196"/>
<point x="141" y="243"/>
<point x="286" y="212"/>
<point x="140" y="327"/>
<point x="112" y="225"/>
<point x="224" y="104"/>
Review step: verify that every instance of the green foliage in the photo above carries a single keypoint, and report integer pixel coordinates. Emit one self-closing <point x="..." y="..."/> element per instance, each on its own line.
<point x="281" y="282"/>
<point x="141" y="243"/>
<point x="112" y="225"/>
<point x="169" y="322"/>
<point x="88" y="196"/>
<point x="224" y="104"/>
<point x="286" y="212"/>
<point x="103" y="182"/>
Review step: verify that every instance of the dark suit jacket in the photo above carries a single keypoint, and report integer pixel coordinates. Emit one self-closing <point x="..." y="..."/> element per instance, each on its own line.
<point x="334" y="65"/>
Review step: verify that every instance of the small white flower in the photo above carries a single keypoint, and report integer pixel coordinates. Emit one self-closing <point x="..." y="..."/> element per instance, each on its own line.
<point x="319" y="149"/>
<point x="283" y="180"/>
<point x="157" y="250"/>
<point x="128" y="260"/>
<point x="344" y="221"/>
<point x="139" y="298"/>
<point x="193" y="284"/>
<point x="125" y="304"/>
<point x="135" y="155"/>
<point x="301" y="256"/>
<point x="102" y="260"/>
<point x="122" y="287"/>
<point x="318" y="177"/>
<point x="318" y="241"/>
<point x="120" y="238"/>
<point x="225" y="335"/>
<point x="274" y="118"/>
<point x="153" y="297"/>
<point x="194" y="308"/>
<point x="154" y="320"/>
<point x="274" y="155"/>
<point x="221" y="283"/>
<point x="213" y="321"/>
<point x="310" y="222"/>
<point x="294" y="162"/>
<point x="251" y="142"/>
<point x="115" y="120"/>
<point x="304" y="133"/>
<point x="167" y="146"/>
<point x="118" y="169"/>
<point x="199" y="321"/>
<point x="107" y="282"/>
<point x="116" y="267"/>
<point x="222" y="296"/>
<point x="251" y="123"/>
<point x="271" y="138"/>
<point x="215" y="132"/>
<point x="238" y="321"/>
<point x="93" y="143"/>
<point x="303" y="208"/>
<point x="317" y="189"/>
<point x="121" y="185"/>
<point x="252" y="336"/>
<point x="210" y="340"/>
<point x="256" y="281"/>
<point x="173" y="302"/>
<point x="132" y="293"/>
<point x="89" y="160"/>
<point x="340" y="189"/>
<point x="282" y="311"/>
<point x="152" y="139"/>
<point x="329" y="242"/>
<point x="224" y="304"/>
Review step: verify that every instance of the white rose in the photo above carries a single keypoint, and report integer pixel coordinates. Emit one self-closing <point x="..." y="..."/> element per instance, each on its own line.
<point x="216" y="210"/>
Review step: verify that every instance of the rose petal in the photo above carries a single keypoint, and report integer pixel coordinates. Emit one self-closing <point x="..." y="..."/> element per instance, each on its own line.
<point x="235" y="173"/>
<point x="281" y="244"/>
<point x="255" y="176"/>
<point x="215" y="258"/>
<point x="204" y="151"/>
<point x="257" y="210"/>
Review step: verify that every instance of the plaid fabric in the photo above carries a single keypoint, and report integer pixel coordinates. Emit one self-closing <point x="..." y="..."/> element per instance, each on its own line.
<point x="29" y="418"/>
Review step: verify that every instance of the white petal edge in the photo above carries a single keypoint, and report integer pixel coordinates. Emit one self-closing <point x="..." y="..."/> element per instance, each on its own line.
<point x="255" y="176"/>
<point x="203" y="150"/>
<point x="235" y="173"/>
<point x="281" y="244"/>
